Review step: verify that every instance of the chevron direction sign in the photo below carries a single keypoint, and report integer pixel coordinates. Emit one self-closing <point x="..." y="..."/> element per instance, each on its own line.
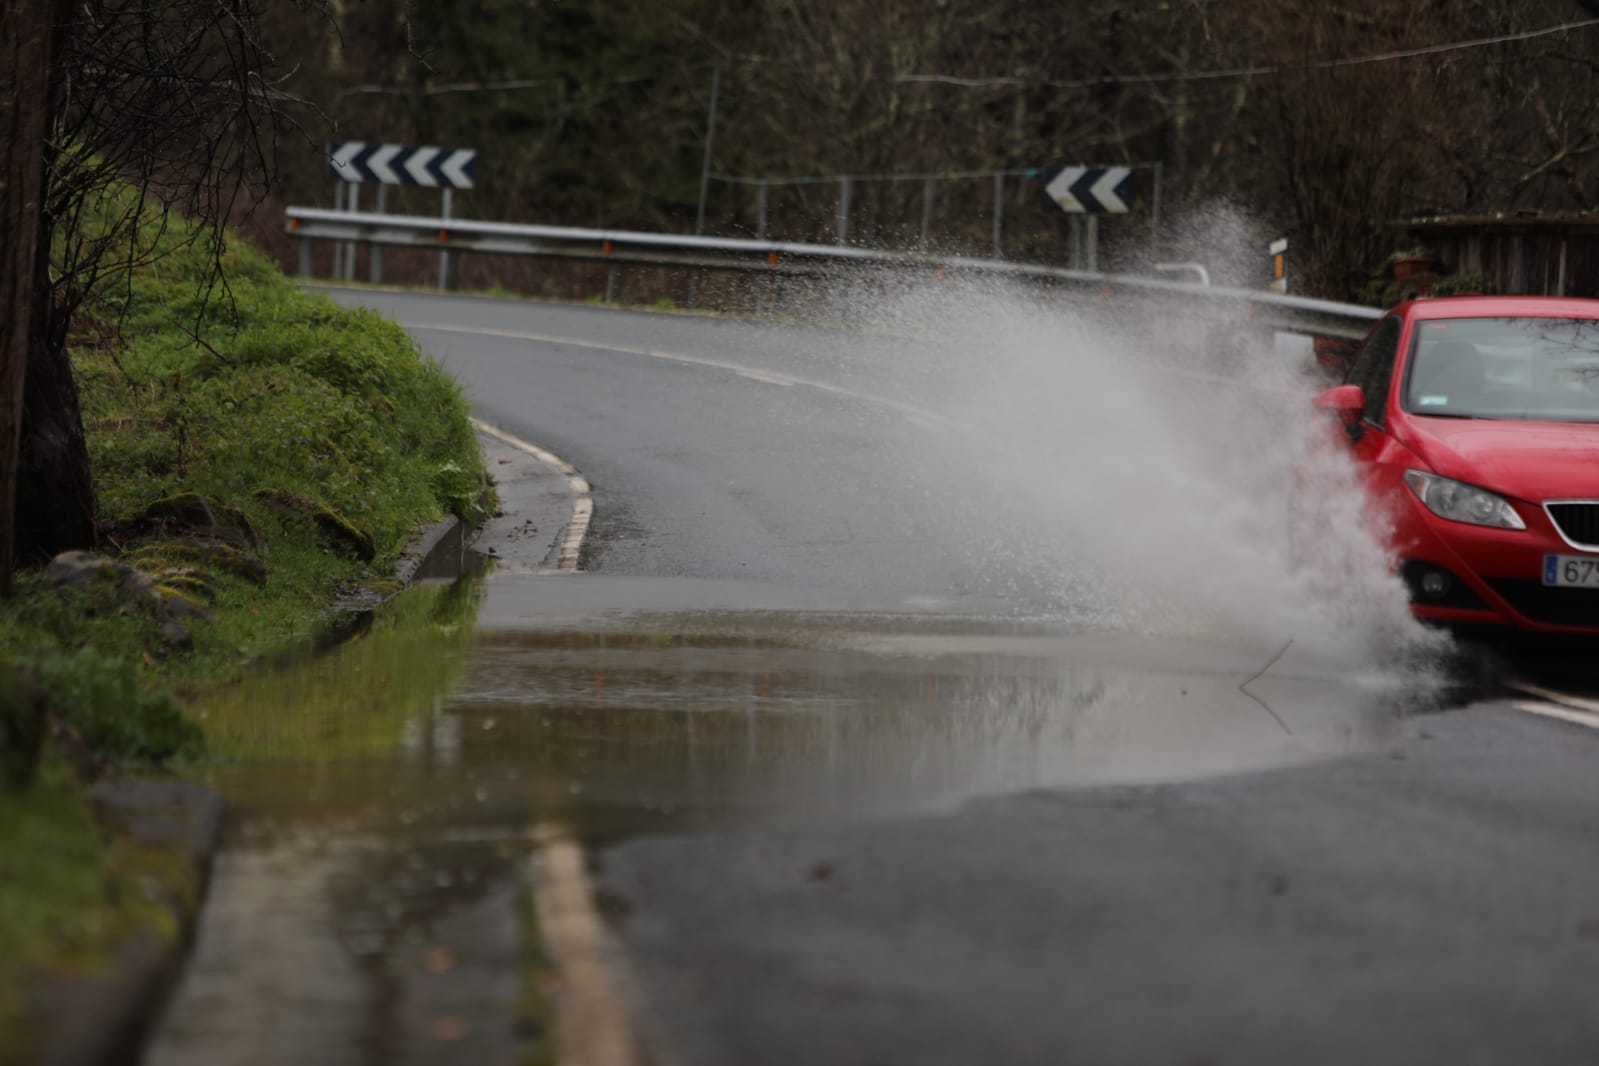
<point x="403" y="164"/>
<point x="1089" y="190"/>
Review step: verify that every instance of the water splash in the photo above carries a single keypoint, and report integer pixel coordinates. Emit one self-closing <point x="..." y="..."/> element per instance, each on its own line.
<point x="1154" y="464"/>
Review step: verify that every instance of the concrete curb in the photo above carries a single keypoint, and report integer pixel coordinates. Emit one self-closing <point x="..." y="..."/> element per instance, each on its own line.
<point x="104" y="1019"/>
<point x="438" y="551"/>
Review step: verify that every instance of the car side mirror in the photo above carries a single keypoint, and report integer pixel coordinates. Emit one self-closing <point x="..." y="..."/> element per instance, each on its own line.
<point x="1347" y="403"/>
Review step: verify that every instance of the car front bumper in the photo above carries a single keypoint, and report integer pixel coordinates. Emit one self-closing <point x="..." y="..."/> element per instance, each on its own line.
<point x="1496" y="574"/>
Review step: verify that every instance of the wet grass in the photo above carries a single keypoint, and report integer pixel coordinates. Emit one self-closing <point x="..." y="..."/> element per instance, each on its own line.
<point x="234" y="389"/>
<point x="69" y="892"/>
<point x="244" y="390"/>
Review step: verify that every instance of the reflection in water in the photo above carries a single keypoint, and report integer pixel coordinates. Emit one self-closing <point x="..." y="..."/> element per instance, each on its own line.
<point x="717" y="720"/>
<point x="359" y="697"/>
<point x="382" y="795"/>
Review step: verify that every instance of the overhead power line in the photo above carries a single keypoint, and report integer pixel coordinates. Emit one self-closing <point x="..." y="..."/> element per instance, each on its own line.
<point x="1250" y="72"/>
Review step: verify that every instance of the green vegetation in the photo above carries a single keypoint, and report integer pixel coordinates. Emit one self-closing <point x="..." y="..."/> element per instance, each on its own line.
<point x="257" y="450"/>
<point x="68" y="892"/>
<point x="258" y="454"/>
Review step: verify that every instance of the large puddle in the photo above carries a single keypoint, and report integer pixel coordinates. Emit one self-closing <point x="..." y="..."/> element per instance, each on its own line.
<point x="383" y="796"/>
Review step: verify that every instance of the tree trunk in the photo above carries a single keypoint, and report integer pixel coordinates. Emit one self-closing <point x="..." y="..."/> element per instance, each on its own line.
<point x="25" y="38"/>
<point x="55" y="495"/>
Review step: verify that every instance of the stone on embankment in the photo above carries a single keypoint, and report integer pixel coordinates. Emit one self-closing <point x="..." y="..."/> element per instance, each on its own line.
<point x="207" y="555"/>
<point x="204" y="516"/>
<point x="334" y="528"/>
<point x="173" y="602"/>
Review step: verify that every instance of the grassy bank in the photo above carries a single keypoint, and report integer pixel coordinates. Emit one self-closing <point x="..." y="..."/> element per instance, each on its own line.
<point x="258" y="453"/>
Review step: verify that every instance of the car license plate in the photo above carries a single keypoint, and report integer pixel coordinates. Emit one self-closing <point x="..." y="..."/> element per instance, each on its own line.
<point x="1571" y="571"/>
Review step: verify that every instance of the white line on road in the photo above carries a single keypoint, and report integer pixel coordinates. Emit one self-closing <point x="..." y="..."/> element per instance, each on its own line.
<point x="918" y="415"/>
<point x="1556" y="704"/>
<point x="582" y="504"/>
<point x="593" y="1021"/>
<point x="1555" y="710"/>
<point x="1554" y="696"/>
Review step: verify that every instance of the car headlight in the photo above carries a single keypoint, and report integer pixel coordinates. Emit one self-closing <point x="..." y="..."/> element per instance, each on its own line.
<point x="1460" y="502"/>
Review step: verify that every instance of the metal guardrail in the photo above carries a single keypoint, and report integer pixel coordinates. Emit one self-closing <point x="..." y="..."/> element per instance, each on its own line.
<point x="624" y="247"/>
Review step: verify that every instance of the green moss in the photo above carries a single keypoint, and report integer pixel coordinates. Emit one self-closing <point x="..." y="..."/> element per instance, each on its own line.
<point x="209" y="556"/>
<point x="68" y="893"/>
<point x="193" y="584"/>
<point x="327" y="521"/>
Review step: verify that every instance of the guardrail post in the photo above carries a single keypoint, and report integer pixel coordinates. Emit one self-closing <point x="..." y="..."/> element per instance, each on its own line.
<point x="1154" y="209"/>
<point x="305" y="257"/>
<point x="613" y="285"/>
<point x="337" y="269"/>
<point x="352" y="200"/>
<point x="843" y="210"/>
<point x="999" y="216"/>
<point x="374" y="252"/>
<point x="445" y="258"/>
<point x="927" y="211"/>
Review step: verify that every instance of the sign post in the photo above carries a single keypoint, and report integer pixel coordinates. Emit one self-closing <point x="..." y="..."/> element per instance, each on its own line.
<point x="356" y="162"/>
<point x="1090" y="191"/>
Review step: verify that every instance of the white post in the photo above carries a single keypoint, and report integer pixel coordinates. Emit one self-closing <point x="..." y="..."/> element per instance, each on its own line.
<point x="1279" y="265"/>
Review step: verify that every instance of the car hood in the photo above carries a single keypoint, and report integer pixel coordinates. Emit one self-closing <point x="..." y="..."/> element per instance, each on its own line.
<point x="1534" y="461"/>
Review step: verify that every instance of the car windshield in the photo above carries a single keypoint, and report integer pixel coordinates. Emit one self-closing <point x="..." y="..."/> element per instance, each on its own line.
<point x="1527" y="369"/>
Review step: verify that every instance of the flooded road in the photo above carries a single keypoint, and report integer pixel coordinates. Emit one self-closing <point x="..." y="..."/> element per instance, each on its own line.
<point x="864" y="743"/>
<point x="385" y="798"/>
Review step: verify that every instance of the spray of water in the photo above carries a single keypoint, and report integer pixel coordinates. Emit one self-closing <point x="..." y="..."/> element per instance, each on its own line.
<point x="1169" y="474"/>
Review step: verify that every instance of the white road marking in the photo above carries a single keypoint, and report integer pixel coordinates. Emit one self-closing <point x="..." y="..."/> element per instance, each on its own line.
<point x="593" y="1020"/>
<point x="1552" y="703"/>
<point x="582" y="504"/>
<point x="1553" y="696"/>
<point x="918" y="415"/>
<point x="1555" y="710"/>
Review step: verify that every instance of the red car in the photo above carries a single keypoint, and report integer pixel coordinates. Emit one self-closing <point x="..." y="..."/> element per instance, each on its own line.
<point x="1474" y="424"/>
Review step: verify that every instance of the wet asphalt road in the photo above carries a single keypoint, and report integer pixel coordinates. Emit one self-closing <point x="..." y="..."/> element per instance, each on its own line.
<point x="864" y="780"/>
<point x="1432" y="903"/>
<point x="810" y="459"/>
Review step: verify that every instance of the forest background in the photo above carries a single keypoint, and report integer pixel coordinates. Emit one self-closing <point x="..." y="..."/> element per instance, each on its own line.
<point x="1321" y="122"/>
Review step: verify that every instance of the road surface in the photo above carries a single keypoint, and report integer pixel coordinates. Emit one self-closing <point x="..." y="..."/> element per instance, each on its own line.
<point x="910" y="709"/>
